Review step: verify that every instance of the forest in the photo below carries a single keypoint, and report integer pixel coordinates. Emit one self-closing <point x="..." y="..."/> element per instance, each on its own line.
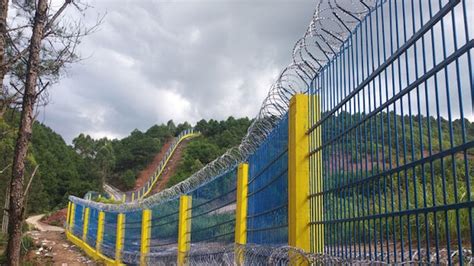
<point x="75" y="169"/>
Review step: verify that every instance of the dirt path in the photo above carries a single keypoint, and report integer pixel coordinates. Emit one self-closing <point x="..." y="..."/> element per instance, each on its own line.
<point x="145" y="174"/>
<point x="34" y="222"/>
<point x="170" y="168"/>
<point x="52" y="247"/>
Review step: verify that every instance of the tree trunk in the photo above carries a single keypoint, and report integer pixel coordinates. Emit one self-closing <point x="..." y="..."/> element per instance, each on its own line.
<point x="5" y="212"/>
<point x="24" y="136"/>
<point x="3" y="41"/>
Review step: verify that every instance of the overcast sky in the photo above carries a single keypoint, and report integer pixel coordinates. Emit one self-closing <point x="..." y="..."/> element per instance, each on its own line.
<point x="152" y="61"/>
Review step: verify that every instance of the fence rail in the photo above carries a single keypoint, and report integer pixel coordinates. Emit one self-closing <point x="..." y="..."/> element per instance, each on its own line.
<point x="374" y="162"/>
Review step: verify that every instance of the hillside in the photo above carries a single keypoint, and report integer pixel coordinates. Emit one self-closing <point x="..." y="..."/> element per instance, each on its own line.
<point x="73" y="170"/>
<point x="216" y="138"/>
<point x="62" y="172"/>
<point x="121" y="162"/>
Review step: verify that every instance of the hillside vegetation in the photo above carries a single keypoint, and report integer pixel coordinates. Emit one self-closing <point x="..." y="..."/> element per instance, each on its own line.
<point x="62" y="172"/>
<point x="120" y="161"/>
<point x="81" y="167"/>
<point x="216" y="137"/>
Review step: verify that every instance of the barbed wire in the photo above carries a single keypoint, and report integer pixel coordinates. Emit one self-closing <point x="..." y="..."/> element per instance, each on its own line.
<point x="331" y="24"/>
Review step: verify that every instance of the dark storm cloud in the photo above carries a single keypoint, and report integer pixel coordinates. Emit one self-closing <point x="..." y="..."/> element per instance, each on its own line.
<point x="153" y="61"/>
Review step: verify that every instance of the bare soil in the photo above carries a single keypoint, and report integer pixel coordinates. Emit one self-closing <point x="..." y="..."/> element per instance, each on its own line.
<point x="57" y="218"/>
<point x="145" y="174"/>
<point x="52" y="248"/>
<point x="170" y="169"/>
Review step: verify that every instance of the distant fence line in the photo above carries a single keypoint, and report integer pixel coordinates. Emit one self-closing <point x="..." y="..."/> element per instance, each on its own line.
<point x="145" y="190"/>
<point x="373" y="163"/>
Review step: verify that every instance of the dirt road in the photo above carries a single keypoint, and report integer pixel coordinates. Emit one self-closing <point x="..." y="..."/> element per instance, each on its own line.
<point x="51" y="246"/>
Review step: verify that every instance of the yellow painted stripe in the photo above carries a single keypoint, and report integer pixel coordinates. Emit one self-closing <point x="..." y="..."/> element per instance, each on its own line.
<point x="145" y="237"/>
<point x="298" y="174"/>
<point x="85" y="227"/>
<point x="241" y="212"/>
<point x="72" y="216"/>
<point x="184" y="228"/>
<point x="68" y="216"/>
<point x="241" y="209"/>
<point x="91" y="251"/>
<point x="119" y="237"/>
<point x="100" y="230"/>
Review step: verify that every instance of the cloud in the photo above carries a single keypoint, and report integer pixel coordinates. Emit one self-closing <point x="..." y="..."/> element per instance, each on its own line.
<point x="153" y="61"/>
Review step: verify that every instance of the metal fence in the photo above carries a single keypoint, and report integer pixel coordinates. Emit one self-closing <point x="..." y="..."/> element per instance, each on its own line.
<point x="379" y="166"/>
<point x="395" y="138"/>
<point x="267" y="215"/>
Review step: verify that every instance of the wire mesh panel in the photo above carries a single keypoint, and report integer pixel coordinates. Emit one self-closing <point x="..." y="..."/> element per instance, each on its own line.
<point x="267" y="216"/>
<point x="92" y="227"/>
<point x="164" y="231"/>
<point x="110" y="234"/>
<point x="396" y="136"/>
<point x="78" y="221"/>
<point x="213" y="212"/>
<point x="132" y="236"/>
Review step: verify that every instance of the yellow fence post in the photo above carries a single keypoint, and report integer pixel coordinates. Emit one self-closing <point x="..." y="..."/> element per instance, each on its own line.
<point x="298" y="174"/>
<point x="124" y="198"/>
<point x="133" y="196"/>
<point x="119" y="237"/>
<point x="241" y="212"/>
<point x="100" y="231"/>
<point x="68" y="215"/>
<point x="145" y="237"/>
<point x="184" y="228"/>
<point x="72" y="217"/>
<point x="85" y="227"/>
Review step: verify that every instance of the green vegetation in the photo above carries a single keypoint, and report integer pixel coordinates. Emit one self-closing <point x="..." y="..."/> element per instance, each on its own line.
<point x="119" y="161"/>
<point x="216" y="138"/>
<point x="74" y="170"/>
<point x="61" y="170"/>
<point x="107" y="201"/>
<point x="369" y="152"/>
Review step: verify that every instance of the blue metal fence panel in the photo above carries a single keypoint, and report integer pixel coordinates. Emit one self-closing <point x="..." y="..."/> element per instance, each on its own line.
<point x="92" y="227"/>
<point x="78" y="220"/>
<point x="213" y="210"/>
<point x="132" y="235"/>
<point x="397" y="136"/>
<point x="164" y="229"/>
<point x="267" y="216"/>
<point x="110" y="234"/>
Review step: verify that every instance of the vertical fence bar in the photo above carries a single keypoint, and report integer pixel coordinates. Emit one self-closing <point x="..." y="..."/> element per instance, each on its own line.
<point x="316" y="178"/>
<point x="68" y="215"/>
<point x="184" y="228"/>
<point x="71" y="217"/>
<point x="85" y="227"/>
<point x="241" y="210"/>
<point x="119" y="237"/>
<point x="100" y="230"/>
<point x="298" y="174"/>
<point x="145" y="237"/>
